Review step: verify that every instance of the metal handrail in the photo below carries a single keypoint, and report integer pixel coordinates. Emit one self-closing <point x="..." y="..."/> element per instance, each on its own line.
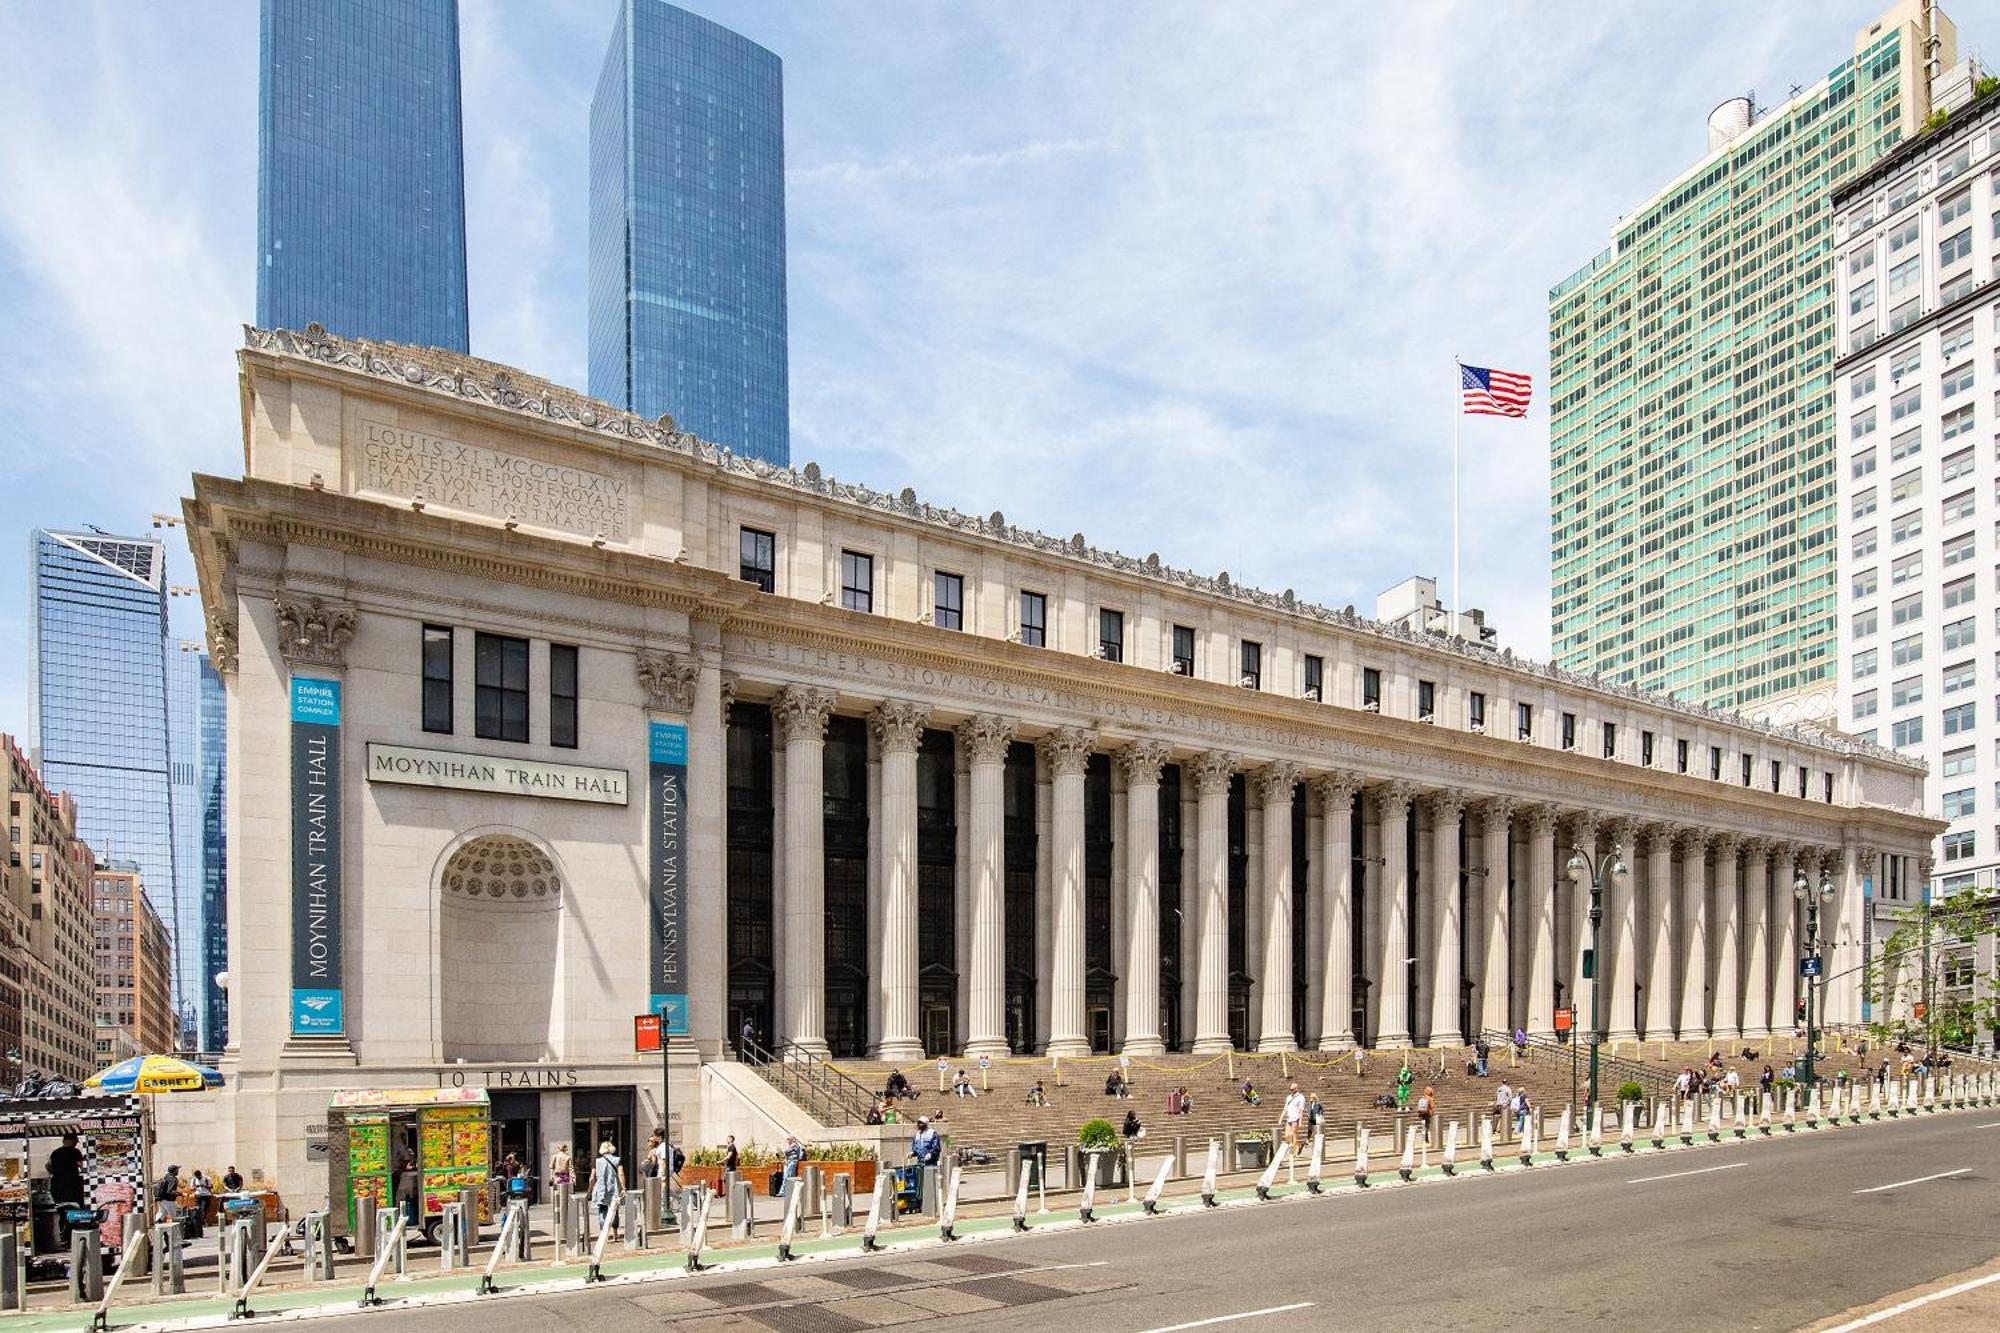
<point x="1657" y="1082"/>
<point x="825" y="1093"/>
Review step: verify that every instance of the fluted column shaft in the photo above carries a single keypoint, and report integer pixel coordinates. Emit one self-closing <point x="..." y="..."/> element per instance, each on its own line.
<point x="1336" y="881"/>
<point x="1660" y="931"/>
<point x="1068" y="752"/>
<point x="1727" y="1022"/>
<point x="1785" y="963"/>
<point x="1446" y="963"/>
<point x="1392" y="1025"/>
<point x="1541" y="900"/>
<point x="1211" y="780"/>
<point x="1756" y="941"/>
<point x="1494" y="972"/>
<point x="1621" y="966"/>
<point x="802" y="712"/>
<point x="899" y="727"/>
<point x="1142" y="762"/>
<point x="1582" y="839"/>
<point x="1274" y="784"/>
<point x="1694" y="939"/>
<point x="985" y="739"/>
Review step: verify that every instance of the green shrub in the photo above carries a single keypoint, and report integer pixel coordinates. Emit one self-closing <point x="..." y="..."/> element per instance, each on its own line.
<point x="1096" y="1135"/>
<point x="1630" y="1091"/>
<point x="840" y="1152"/>
<point x="1986" y="85"/>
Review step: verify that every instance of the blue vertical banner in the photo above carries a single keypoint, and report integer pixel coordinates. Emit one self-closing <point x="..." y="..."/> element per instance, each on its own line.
<point x="667" y="748"/>
<point x="316" y="945"/>
<point x="1867" y="942"/>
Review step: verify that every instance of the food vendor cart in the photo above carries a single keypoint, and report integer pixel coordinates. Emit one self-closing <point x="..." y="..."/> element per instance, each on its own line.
<point x="111" y="1131"/>
<point x="447" y="1132"/>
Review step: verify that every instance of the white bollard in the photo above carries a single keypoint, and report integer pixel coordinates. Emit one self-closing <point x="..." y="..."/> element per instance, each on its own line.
<point x="1208" y="1176"/>
<point x="1361" y="1156"/>
<point x="1270" y="1176"/>
<point x="1625" y="1127"/>
<point x="1764" y="1113"/>
<point x="1715" y="1118"/>
<point x="1930" y="1094"/>
<point x="1021" y="1200"/>
<point x="885" y="1184"/>
<point x="1687" y="1123"/>
<point x="1661" y="1122"/>
<point x="1562" y="1135"/>
<point x="794" y="1194"/>
<point x="1531" y="1140"/>
<point x="1152" y="1201"/>
<point x="949" y="1218"/>
<point x="1450" y="1162"/>
<point x="1741" y="1126"/>
<point x="698" y="1230"/>
<point x="1085" y="1209"/>
<point x="1596" y="1133"/>
<point x="1486" y="1143"/>
<point x="390" y="1247"/>
<point x="1407" y="1167"/>
<point x="1812" y="1108"/>
<point x="1312" y="1174"/>
<point x="1874" y="1101"/>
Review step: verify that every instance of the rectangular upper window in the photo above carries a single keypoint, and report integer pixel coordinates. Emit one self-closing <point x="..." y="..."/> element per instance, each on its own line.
<point x="1908" y="443"/>
<point x="1906" y="525"/>
<point x="1960" y="591"/>
<point x="1866" y="704"/>
<point x="948" y="600"/>
<point x="757" y="558"/>
<point x="1476" y="710"/>
<point x="1252" y="662"/>
<point x="1569" y="731"/>
<point x="1955" y="422"/>
<point x="1524" y="721"/>
<point x="1426" y="699"/>
<point x="1958" y="634"/>
<point x="1111" y="635"/>
<point x="1865" y="543"/>
<point x="1906" y="486"/>
<point x="1955" y="166"/>
<point x="1715" y="763"/>
<point x="1906" y="362"/>
<point x="1955" y="248"/>
<point x="1680" y="756"/>
<point x="1905" y="609"/>
<point x="1183" y="650"/>
<point x="1903" y="195"/>
<point x="1315" y="681"/>
<point x="1371" y="687"/>
<point x="1034" y="619"/>
<point x="1826" y="787"/>
<point x="1955" y="381"/>
<point x="1864" y="502"/>
<point x="1864" y="464"/>
<point x="1957" y="465"/>
<point x="1777" y="774"/>
<point x="1906" y="567"/>
<point x="437" y="679"/>
<point x="1909" y="690"/>
<point x="857" y="581"/>
<point x="1905" y="276"/>
<point x="1866" y="582"/>
<point x="500" y="687"/>
<point x="1953" y="207"/>
<point x="1746" y="770"/>
<point x="1907" y="650"/>
<point x="562" y="695"/>
<point x="1960" y="676"/>
<point x="1954" y="341"/>
<point x="1861" y="424"/>
<point x="1646" y="748"/>
<point x="1861" y="297"/>
<point x="1958" y="507"/>
<point x="1960" y="718"/>
<point x="1960" y="762"/>
<point x="1864" y="623"/>
<point x="1610" y="740"/>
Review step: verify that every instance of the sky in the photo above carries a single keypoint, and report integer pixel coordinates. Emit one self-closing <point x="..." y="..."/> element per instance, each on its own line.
<point x="1186" y="278"/>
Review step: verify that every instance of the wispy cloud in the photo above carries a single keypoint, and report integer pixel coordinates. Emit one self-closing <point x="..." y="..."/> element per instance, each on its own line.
<point x="950" y="167"/>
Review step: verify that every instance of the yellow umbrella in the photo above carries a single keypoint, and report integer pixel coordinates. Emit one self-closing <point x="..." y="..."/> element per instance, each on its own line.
<point x="155" y="1073"/>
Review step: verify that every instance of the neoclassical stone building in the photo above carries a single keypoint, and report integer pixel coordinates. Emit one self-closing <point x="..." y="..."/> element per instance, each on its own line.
<point x="542" y="716"/>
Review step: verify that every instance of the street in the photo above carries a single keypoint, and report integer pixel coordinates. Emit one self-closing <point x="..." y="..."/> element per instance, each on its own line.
<point x="1765" y="1235"/>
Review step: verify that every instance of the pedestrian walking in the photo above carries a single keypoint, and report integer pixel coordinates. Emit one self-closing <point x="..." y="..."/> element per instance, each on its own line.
<point x="607" y="1185"/>
<point x="1295" y="1115"/>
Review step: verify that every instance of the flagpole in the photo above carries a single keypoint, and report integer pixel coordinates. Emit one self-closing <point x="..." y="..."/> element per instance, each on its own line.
<point x="1458" y="393"/>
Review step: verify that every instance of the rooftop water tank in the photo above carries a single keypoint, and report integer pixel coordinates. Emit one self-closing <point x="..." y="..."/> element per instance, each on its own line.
<point x="1727" y="121"/>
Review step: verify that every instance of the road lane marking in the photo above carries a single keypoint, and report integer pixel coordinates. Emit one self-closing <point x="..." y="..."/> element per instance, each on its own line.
<point x="1676" y="1175"/>
<point x="1994" y="1125"/>
<point x="1916" y="1303"/>
<point x="1231" y="1318"/>
<point x="1877" y="1189"/>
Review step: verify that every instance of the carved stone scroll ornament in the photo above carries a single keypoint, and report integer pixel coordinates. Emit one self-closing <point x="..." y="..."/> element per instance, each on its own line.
<point x="1446" y="806"/>
<point x="898" y="725"/>
<point x="801" y="711"/>
<point x="1275" y="782"/>
<point x="1336" y="792"/>
<point x="1067" y="749"/>
<point x="1212" y="770"/>
<point x="222" y="644"/>
<point x="985" y="738"/>
<point x="1143" y="761"/>
<point x="313" y="631"/>
<point x="668" y="679"/>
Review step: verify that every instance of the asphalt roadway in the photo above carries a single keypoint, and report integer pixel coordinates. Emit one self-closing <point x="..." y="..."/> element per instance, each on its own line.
<point x="1779" y="1234"/>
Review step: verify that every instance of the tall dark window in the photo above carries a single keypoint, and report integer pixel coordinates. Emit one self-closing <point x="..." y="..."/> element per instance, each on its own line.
<point x="1746" y="770"/>
<point x="1183" y="650"/>
<point x="1475" y="711"/>
<point x="1646" y="748"/>
<point x="1427" y="699"/>
<point x="1371" y="687"/>
<point x="1803" y="780"/>
<point x="1828" y="779"/>
<point x="857" y="581"/>
<point x="1715" y="763"/>
<point x="500" y="687"/>
<point x="437" y="678"/>
<point x="1681" y="756"/>
<point x="1020" y="857"/>
<point x="948" y="592"/>
<point x="1610" y="740"/>
<point x="749" y="935"/>
<point x="1777" y="774"/>
<point x="844" y="773"/>
<point x="562" y="695"/>
<point x="1253" y="665"/>
<point x="757" y="558"/>
<point x="1111" y="635"/>
<point x="1034" y="619"/>
<point x="1315" y="677"/>
<point x="1524" y="721"/>
<point x="1569" y="731"/>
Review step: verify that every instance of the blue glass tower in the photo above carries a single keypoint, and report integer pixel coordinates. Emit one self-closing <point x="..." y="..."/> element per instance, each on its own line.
<point x="687" y="230"/>
<point x="213" y="1000"/>
<point x="361" y="171"/>
<point x="101" y="696"/>
<point x="183" y="911"/>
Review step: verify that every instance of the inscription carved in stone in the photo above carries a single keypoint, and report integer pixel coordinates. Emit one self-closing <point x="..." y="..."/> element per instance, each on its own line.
<point x="412" y="464"/>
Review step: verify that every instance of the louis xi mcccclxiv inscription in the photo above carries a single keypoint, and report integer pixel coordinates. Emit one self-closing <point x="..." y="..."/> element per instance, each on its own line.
<point x="457" y="475"/>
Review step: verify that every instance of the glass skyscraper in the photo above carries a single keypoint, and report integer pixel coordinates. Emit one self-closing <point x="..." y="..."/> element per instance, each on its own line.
<point x="1692" y="440"/>
<point x="102" y="699"/>
<point x="361" y="170"/>
<point x="184" y="911"/>
<point x="213" y="1000"/>
<point x="687" y="230"/>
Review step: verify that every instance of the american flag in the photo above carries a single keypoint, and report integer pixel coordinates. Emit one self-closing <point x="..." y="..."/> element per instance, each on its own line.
<point x="1494" y="393"/>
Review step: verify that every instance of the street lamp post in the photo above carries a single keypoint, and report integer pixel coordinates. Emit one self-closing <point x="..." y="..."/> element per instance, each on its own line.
<point x="1598" y="869"/>
<point x="1803" y="892"/>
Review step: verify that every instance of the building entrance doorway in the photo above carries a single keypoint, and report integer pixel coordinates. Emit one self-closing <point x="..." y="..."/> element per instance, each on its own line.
<point x="937" y="1029"/>
<point x="599" y="1116"/>
<point x="517" y="1129"/>
<point x="1098" y="1019"/>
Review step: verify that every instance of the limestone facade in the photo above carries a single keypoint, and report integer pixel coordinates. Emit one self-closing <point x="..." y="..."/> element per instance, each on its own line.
<point x="950" y="785"/>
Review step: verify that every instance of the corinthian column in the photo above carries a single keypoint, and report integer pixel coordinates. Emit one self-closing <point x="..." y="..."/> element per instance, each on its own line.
<point x="1621" y="967"/>
<point x="1541" y="900"/>
<point x="1067" y="751"/>
<point x="1274" y="784"/>
<point x="1785" y="941"/>
<point x="1494" y="972"/>
<point x="985" y="739"/>
<point x="1212" y="772"/>
<point x="899" y="727"/>
<point x="1693" y="846"/>
<point x="1582" y="837"/>
<point x="1392" y="806"/>
<point x="1142" y="762"/>
<point x="1447" y="807"/>
<point x="1660" y="930"/>
<point x="1727" y="1022"/>
<point x="1336" y="886"/>
<point x="801" y="714"/>
<point x="1756" y="943"/>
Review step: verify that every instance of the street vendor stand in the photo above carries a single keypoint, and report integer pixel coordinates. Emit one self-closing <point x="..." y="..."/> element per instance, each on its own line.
<point x="449" y="1131"/>
<point x="112" y="1133"/>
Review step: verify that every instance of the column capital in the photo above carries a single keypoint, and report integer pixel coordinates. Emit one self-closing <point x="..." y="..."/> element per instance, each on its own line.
<point x="1067" y="749"/>
<point x="1212" y="771"/>
<point x="1275" y="781"/>
<point x="313" y="631"/>
<point x="1864" y="858"/>
<point x="1690" y="841"/>
<point x="1925" y="865"/>
<point x="728" y="693"/>
<point x="1754" y="848"/>
<point x="1392" y="798"/>
<point x="669" y="679"/>
<point x="1502" y="808"/>
<point x="1827" y="860"/>
<point x="1446" y="804"/>
<point x="1142" y="761"/>
<point x="1541" y="820"/>
<point x="802" y="711"/>
<point x="1622" y="830"/>
<point x="1580" y="829"/>
<point x="1655" y="837"/>
<point x="222" y="642"/>
<point x="898" y="725"/>
<point x="985" y="737"/>
<point x="1336" y="791"/>
<point x="1725" y="843"/>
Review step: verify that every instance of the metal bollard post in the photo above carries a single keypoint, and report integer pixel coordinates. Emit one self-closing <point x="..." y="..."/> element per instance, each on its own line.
<point x="451" y="1237"/>
<point x="468" y="1204"/>
<point x="1180" y="1156"/>
<point x="385" y="1227"/>
<point x="1013" y="1170"/>
<point x="1071" y="1179"/>
<point x="843" y="1200"/>
<point x="931" y="1201"/>
<point x="655" y="1201"/>
<point x="632" y="1210"/>
<point x="11" y="1285"/>
<point x="565" y="1238"/>
<point x="365" y="1215"/>
<point x="743" y="1211"/>
<point x="319" y="1248"/>
<point x="86" y="1266"/>
<point x="815" y="1181"/>
<point x="523" y="1246"/>
<point x="579" y="1225"/>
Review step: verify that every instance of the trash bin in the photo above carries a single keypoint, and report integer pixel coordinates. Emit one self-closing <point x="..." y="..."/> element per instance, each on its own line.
<point x="1034" y="1160"/>
<point x="1252" y="1154"/>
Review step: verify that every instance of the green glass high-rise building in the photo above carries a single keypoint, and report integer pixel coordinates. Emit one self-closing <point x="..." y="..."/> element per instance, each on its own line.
<point x="1691" y="398"/>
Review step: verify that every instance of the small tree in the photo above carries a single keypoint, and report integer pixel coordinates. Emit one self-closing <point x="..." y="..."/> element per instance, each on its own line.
<point x="1630" y="1091"/>
<point x="1097" y="1135"/>
<point x="1906" y="981"/>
